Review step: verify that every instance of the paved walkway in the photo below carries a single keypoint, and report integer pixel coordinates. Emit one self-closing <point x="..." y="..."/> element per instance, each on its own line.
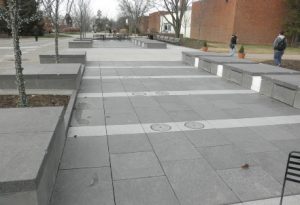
<point x="150" y="130"/>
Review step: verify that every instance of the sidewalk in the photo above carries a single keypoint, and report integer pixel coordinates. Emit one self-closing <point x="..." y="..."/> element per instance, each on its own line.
<point x="150" y="130"/>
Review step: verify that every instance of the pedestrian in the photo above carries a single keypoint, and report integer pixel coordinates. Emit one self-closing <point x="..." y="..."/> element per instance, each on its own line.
<point x="36" y="33"/>
<point x="279" y="46"/>
<point x="232" y="45"/>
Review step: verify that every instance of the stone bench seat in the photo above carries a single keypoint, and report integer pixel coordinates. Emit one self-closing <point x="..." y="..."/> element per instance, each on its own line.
<point x="64" y="57"/>
<point x="44" y="76"/>
<point x="192" y="58"/>
<point x="285" y="88"/>
<point x="215" y="64"/>
<point x="81" y="44"/>
<point x="249" y="75"/>
<point x="147" y="43"/>
<point x="30" y="152"/>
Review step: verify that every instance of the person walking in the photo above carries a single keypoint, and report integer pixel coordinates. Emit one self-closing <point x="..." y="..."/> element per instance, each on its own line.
<point x="279" y="46"/>
<point x="36" y="33"/>
<point x="232" y="45"/>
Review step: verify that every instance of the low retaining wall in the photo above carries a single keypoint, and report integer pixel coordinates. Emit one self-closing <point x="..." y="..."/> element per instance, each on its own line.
<point x="192" y="58"/>
<point x="147" y="43"/>
<point x="285" y="88"/>
<point x="45" y="76"/>
<point x="74" y="57"/>
<point x="81" y="44"/>
<point x="250" y="75"/>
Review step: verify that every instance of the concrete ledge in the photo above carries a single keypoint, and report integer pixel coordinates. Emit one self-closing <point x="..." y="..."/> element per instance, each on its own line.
<point x="30" y="153"/>
<point x="44" y="76"/>
<point x="74" y="57"/>
<point x="147" y="43"/>
<point x="215" y="64"/>
<point x="285" y="88"/>
<point x="192" y="58"/>
<point x="249" y="75"/>
<point x="81" y="44"/>
<point x="84" y="39"/>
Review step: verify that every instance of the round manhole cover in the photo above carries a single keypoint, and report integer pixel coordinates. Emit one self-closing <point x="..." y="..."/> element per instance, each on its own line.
<point x="194" y="125"/>
<point x="162" y="93"/>
<point x="161" y="127"/>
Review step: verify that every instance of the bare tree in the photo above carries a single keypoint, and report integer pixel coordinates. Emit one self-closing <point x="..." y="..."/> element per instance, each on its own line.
<point x="82" y="16"/>
<point x="14" y="22"/>
<point x="176" y="9"/>
<point x="51" y="8"/>
<point x="134" y="10"/>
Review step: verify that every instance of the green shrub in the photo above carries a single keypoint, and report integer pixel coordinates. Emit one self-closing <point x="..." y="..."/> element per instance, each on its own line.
<point x="242" y="49"/>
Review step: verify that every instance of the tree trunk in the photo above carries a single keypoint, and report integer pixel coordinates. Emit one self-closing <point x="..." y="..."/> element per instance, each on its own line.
<point x="56" y="31"/>
<point x="14" y="13"/>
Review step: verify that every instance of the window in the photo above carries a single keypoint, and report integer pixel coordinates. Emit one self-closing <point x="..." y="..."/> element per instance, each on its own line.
<point x="167" y="27"/>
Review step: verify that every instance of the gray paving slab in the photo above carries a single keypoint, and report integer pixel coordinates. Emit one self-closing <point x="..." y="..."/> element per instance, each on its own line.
<point x="173" y="146"/>
<point x="184" y="115"/>
<point x="225" y="157"/>
<point x="274" y="132"/>
<point x="85" y="152"/>
<point x="274" y="163"/>
<point x="141" y="63"/>
<point x="129" y="143"/>
<point x="195" y="181"/>
<point x="121" y="118"/>
<point x="89" y="103"/>
<point x="248" y="140"/>
<point x="90" y="86"/>
<point x="83" y="186"/>
<point x="287" y="146"/>
<point x="87" y="118"/>
<point x="135" y="165"/>
<point x="146" y="191"/>
<point x="207" y="138"/>
<point x="250" y="184"/>
<point x="152" y="115"/>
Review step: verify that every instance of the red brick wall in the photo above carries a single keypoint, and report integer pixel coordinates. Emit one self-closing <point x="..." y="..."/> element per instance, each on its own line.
<point x="154" y="22"/>
<point x="259" y="22"/>
<point x="254" y="21"/>
<point x="2" y="3"/>
<point x="217" y="19"/>
<point x="195" y="19"/>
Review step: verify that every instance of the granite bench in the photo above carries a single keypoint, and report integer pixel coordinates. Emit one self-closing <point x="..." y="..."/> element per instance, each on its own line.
<point x="147" y="43"/>
<point x="30" y="152"/>
<point x="285" y="88"/>
<point x="81" y="44"/>
<point x="44" y="76"/>
<point x="249" y="75"/>
<point x="65" y="57"/>
<point x="215" y="64"/>
<point x="192" y="58"/>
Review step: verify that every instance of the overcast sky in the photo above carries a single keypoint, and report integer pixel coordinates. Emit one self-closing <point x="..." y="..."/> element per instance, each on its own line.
<point x="109" y="8"/>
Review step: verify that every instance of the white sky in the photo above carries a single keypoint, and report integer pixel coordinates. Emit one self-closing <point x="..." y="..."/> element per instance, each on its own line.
<point x="109" y="8"/>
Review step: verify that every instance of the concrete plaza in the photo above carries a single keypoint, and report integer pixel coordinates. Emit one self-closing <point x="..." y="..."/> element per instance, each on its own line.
<point x="148" y="129"/>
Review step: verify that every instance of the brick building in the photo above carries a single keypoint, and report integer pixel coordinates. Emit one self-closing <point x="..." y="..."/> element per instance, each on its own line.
<point x="154" y="21"/>
<point x="2" y="3"/>
<point x="143" y="25"/>
<point x="255" y="21"/>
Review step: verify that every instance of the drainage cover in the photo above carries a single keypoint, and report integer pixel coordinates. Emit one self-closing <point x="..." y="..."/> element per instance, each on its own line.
<point x="194" y="125"/>
<point x="161" y="127"/>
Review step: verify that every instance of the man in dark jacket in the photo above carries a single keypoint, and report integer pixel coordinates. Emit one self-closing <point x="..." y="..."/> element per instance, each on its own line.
<point x="232" y="45"/>
<point x="36" y="33"/>
<point x="279" y="46"/>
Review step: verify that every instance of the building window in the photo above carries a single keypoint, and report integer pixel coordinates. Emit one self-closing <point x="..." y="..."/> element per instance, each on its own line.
<point x="167" y="27"/>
